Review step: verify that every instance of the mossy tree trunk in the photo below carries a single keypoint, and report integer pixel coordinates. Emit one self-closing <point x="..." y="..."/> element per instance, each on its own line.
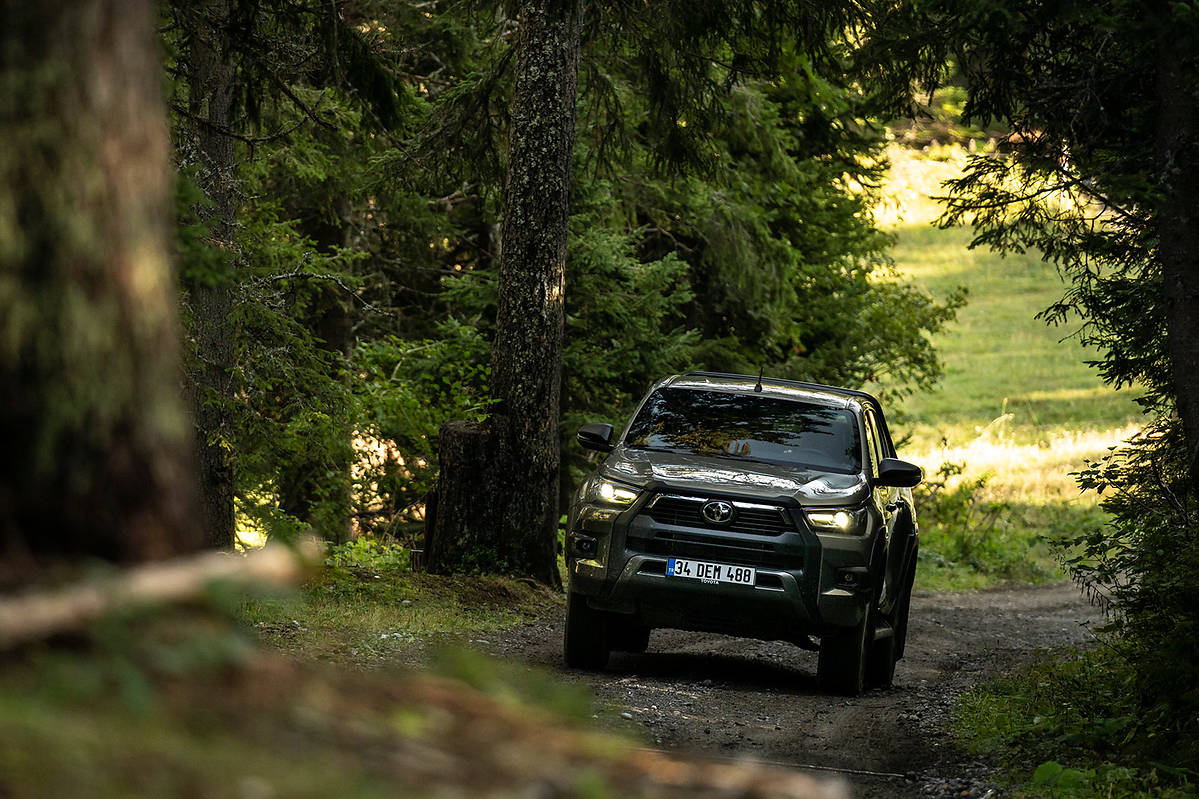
<point x="97" y="444"/>
<point x="317" y="488"/>
<point x="1177" y="155"/>
<point x="497" y="497"/>
<point x="210" y="81"/>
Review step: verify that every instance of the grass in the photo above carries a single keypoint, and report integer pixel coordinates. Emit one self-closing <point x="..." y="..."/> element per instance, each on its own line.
<point x="1071" y="726"/>
<point x="366" y="613"/>
<point x="1003" y="367"/>
<point x="1018" y="409"/>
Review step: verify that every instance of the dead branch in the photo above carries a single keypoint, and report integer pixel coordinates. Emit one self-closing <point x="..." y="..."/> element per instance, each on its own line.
<point x="36" y="616"/>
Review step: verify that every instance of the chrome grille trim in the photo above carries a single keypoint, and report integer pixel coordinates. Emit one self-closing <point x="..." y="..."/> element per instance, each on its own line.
<point x="752" y="518"/>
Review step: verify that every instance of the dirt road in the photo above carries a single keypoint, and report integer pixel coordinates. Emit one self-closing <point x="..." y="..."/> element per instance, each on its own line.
<point x="729" y="697"/>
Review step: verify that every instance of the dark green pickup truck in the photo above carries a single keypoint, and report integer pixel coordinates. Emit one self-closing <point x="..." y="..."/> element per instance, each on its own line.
<point x="762" y="508"/>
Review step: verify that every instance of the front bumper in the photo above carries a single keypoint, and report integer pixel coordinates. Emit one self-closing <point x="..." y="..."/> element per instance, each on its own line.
<point x="805" y="585"/>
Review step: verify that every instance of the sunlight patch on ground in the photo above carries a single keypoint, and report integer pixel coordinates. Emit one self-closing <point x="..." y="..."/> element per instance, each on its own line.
<point x="913" y="179"/>
<point x="1037" y="473"/>
<point x="1096" y="391"/>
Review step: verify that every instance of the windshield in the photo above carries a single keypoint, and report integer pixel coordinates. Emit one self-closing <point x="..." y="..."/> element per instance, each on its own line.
<point x="750" y="427"/>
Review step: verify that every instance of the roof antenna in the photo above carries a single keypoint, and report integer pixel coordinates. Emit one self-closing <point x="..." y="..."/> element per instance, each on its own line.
<point x="758" y="387"/>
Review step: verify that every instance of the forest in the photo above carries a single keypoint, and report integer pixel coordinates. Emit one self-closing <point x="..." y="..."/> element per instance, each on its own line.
<point x="344" y="278"/>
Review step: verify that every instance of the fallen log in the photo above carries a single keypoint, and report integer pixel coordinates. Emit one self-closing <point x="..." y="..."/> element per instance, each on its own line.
<point x="32" y="617"/>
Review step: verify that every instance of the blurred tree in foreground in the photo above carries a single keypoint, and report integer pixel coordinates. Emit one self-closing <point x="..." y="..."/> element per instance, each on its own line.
<point x="97" y="442"/>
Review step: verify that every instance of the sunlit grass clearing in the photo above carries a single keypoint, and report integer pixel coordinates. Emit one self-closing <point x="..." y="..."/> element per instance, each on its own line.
<point x="1038" y="473"/>
<point x="1003" y="366"/>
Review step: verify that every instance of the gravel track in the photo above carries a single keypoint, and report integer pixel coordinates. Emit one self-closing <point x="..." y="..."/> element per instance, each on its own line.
<point x="730" y="697"/>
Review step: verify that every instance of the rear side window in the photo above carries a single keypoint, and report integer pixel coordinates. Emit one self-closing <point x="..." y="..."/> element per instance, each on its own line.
<point x="749" y="427"/>
<point x="874" y="443"/>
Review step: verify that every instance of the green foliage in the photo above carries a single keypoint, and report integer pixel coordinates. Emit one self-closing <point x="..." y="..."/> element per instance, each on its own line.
<point x="771" y="258"/>
<point x="1143" y="567"/>
<point x="787" y="266"/>
<point x="959" y="517"/>
<point x="291" y="398"/>
<point x="968" y="540"/>
<point x="405" y="391"/>
<point x="625" y="323"/>
<point x="1079" y="719"/>
<point x="366" y="553"/>
<point x="364" y="269"/>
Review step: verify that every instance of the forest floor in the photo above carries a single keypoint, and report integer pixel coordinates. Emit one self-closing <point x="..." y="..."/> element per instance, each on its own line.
<point x="181" y="704"/>
<point x="716" y="697"/>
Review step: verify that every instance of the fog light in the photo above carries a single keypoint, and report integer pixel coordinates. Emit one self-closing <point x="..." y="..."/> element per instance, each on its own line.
<point x="585" y="545"/>
<point x="851" y="577"/>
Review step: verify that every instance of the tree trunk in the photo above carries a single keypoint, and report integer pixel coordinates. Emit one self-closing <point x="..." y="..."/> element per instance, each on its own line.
<point x="315" y="486"/>
<point x="97" y="445"/>
<point x="466" y="450"/>
<point x="210" y="76"/>
<point x="519" y="500"/>
<point x="1178" y="221"/>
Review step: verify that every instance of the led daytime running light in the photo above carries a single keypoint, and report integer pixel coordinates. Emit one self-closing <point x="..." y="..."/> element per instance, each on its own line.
<point x="836" y="520"/>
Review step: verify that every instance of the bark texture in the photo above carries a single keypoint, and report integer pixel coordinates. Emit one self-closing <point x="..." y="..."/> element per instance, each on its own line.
<point x="519" y="498"/>
<point x="305" y="488"/>
<point x="210" y="77"/>
<point x="1177" y="141"/>
<point x="467" y="452"/>
<point x="97" y="445"/>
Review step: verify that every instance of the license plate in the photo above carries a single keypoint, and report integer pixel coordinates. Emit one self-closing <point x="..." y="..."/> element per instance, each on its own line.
<point x="710" y="572"/>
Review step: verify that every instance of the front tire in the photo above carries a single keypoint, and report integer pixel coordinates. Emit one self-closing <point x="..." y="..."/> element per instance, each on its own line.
<point x="585" y="640"/>
<point x="841" y="665"/>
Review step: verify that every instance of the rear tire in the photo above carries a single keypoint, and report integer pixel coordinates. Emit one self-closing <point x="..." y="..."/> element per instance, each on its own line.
<point x="901" y="610"/>
<point x="841" y="665"/>
<point x="880" y="665"/>
<point x="585" y="641"/>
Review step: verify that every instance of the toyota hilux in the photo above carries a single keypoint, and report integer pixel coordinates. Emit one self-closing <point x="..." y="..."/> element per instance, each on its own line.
<point x="755" y="507"/>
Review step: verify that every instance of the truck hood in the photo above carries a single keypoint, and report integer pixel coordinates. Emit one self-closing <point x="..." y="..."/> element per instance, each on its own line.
<point x="752" y="479"/>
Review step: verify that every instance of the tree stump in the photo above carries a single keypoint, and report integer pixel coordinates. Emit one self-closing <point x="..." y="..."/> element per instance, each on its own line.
<point x="482" y="498"/>
<point x="460" y="527"/>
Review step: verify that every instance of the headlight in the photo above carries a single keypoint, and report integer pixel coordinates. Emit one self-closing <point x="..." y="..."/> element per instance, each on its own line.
<point x="606" y="492"/>
<point x="842" y="521"/>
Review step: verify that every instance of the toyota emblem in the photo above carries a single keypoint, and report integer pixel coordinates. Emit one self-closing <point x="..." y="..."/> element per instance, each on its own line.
<point x="718" y="511"/>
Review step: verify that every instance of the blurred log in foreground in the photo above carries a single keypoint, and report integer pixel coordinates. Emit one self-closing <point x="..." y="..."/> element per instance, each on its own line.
<point x="36" y="616"/>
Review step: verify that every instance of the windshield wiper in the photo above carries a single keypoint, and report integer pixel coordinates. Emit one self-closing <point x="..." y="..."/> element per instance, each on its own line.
<point x="730" y="457"/>
<point x="651" y="448"/>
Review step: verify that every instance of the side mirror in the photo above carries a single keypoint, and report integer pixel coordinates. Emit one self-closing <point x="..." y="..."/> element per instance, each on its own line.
<point x="898" y="474"/>
<point x="596" y="436"/>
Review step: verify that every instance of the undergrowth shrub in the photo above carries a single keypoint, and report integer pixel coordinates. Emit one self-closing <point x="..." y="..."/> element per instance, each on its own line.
<point x="1143" y="567"/>
<point x="963" y="530"/>
<point x="367" y="553"/>
<point x="1073" y="726"/>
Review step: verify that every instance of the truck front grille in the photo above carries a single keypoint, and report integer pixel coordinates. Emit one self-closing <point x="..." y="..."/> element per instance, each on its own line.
<point x="749" y="518"/>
